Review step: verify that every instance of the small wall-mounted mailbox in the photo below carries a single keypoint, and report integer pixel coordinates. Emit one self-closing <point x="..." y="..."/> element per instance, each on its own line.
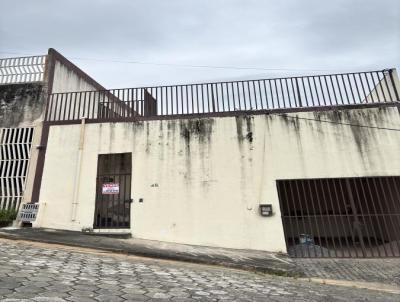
<point x="266" y="210"/>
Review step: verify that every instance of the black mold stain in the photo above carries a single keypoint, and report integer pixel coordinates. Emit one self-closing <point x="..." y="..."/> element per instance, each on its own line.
<point x="249" y="137"/>
<point x="20" y="103"/>
<point x="200" y="129"/>
<point x="249" y="128"/>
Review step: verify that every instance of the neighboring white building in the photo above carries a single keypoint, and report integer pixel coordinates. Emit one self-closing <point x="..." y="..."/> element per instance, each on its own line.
<point x="305" y="165"/>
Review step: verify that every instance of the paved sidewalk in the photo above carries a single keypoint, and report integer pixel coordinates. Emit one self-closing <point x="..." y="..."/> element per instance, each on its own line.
<point x="377" y="271"/>
<point x="41" y="272"/>
<point x="258" y="261"/>
<point x="384" y="271"/>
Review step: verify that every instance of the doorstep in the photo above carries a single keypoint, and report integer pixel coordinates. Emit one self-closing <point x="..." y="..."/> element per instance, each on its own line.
<point x="112" y="233"/>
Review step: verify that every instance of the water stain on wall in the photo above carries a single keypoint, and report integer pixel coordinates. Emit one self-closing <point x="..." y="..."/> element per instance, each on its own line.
<point x="21" y="104"/>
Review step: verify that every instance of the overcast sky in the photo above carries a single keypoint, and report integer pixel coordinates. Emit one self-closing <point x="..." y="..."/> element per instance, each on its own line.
<point x="299" y="37"/>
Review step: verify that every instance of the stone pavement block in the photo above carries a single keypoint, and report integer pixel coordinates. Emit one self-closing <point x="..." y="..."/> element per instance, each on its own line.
<point x="152" y="280"/>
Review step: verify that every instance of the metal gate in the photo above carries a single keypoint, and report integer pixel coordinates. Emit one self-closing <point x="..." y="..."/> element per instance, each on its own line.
<point x="113" y="191"/>
<point x="341" y="217"/>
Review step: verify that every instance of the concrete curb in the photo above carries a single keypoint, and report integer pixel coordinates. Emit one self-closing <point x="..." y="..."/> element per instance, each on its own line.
<point x="357" y="284"/>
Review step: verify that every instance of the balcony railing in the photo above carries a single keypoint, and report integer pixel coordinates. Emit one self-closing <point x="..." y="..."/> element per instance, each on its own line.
<point x="201" y="99"/>
<point x="22" y="69"/>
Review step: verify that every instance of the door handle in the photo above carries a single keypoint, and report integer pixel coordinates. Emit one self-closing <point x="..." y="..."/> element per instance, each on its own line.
<point x="129" y="200"/>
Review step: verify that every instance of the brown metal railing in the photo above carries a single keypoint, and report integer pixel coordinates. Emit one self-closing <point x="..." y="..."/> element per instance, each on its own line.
<point x="250" y="95"/>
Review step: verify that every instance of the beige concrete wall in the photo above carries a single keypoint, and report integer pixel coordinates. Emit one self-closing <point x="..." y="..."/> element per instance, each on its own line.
<point x="202" y="179"/>
<point x="66" y="80"/>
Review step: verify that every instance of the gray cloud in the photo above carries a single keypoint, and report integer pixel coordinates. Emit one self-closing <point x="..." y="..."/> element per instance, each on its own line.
<point x="332" y="35"/>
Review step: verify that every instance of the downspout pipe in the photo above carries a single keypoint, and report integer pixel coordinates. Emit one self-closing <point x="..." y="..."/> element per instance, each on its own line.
<point x="77" y="178"/>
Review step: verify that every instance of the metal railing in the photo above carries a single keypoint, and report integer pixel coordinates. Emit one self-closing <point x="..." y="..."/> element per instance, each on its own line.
<point x="22" y="69"/>
<point x="249" y="95"/>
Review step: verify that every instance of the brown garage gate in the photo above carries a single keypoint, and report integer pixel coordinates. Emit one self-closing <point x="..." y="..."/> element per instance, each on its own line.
<point x="341" y="217"/>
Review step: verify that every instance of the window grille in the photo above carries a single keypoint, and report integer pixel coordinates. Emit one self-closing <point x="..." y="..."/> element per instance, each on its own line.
<point x="15" y="149"/>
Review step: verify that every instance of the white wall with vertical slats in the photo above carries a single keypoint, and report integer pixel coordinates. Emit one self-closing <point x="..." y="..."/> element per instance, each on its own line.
<point x="15" y="150"/>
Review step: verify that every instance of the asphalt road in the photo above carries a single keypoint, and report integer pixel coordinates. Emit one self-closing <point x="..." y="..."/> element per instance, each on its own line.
<point x="42" y="272"/>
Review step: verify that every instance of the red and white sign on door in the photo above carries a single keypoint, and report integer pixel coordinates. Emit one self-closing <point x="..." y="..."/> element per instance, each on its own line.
<point x="110" y="188"/>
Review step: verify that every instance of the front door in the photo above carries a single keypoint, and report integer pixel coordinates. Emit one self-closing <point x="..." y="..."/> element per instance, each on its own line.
<point x="113" y="191"/>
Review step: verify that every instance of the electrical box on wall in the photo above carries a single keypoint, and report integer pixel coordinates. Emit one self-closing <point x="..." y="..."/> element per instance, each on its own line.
<point x="266" y="210"/>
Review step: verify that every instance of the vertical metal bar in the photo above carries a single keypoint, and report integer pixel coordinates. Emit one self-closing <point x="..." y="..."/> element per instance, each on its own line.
<point x="212" y="98"/>
<point x="308" y="216"/>
<point x="320" y="215"/>
<point x="277" y="95"/>
<point x="308" y="181"/>
<point x="322" y="90"/>
<point x="197" y="98"/>
<point x="375" y="214"/>
<point x="238" y="94"/>
<point x="387" y="85"/>
<point x="389" y="212"/>
<point x="347" y="216"/>
<point x="358" y="92"/>
<point x="369" y="89"/>
<point x="300" y="207"/>
<point x="244" y="96"/>
<point x="369" y="215"/>
<point x="358" y="185"/>
<point x="290" y="218"/>
<point x="357" y="223"/>
<point x="283" y="94"/>
<point x="345" y="89"/>
<point x="331" y="182"/>
<point x="272" y="95"/>
<point x="334" y="92"/>
<point x="166" y="101"/>
<point x="49" y="108"/>
<point x="316" y="90"/>
<point x="396" y="206"/>
<point x="362" y="86"/>
<point x="176" y="96"/>
<point x="218" y="98"/>
<point x="187" y="99"/>
<point x="260" y="95"/>
<point x="327" y="90"/>
<point x="228" y="96"/>
<point x="295" y="210"/>
<point x="351" y="89"/>
<point x="305" y="92"/>
<point x="202" y="97"/>
<point x="191" y="90"/>
<point x="181" y="86"/>
<point x="297" y="101"/>
<point x="255" y="94"/>
<point x="311" y="92"/>
<point x="266" y="95"/>
<point x="339" y="90"/>
<point x="248" y="93"/>
<point x="282" y="203"/>
<point x="383" y="194"/>
<point x="324" y="185"/>
<point x="396" y="93"/>
<point x="379" y="83"/>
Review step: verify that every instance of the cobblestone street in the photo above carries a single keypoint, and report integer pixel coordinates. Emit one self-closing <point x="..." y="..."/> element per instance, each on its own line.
<point x="40" y="272"/>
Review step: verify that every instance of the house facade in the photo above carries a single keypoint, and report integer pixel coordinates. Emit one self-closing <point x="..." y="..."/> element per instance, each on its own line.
<point x="304" y="165"/>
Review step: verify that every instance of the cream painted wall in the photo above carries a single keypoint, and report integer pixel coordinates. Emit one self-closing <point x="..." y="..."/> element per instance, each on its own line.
<point x="66" y="80"/>
<point x="212" y="173"/>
